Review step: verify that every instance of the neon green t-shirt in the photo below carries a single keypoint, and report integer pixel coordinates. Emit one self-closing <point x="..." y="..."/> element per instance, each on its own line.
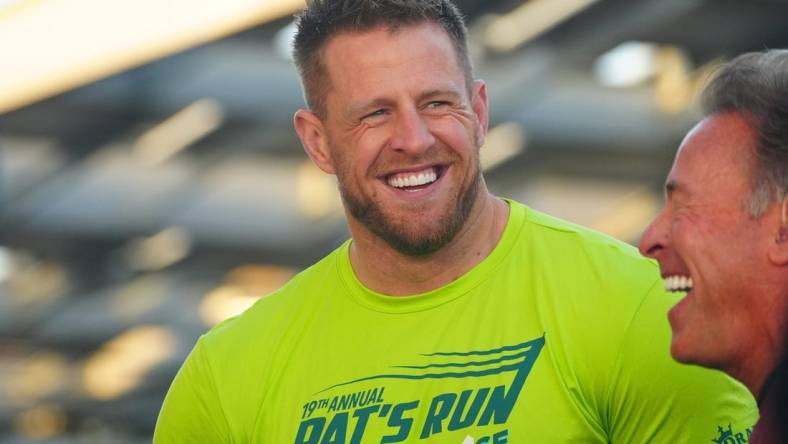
<point x="559" y="335"/>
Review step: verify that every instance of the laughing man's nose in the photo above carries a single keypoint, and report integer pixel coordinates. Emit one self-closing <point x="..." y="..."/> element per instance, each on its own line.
<point x="655" y="238"/>
<point x="412" y="134"/>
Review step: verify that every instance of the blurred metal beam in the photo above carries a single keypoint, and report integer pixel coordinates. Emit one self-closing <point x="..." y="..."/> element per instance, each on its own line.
<point x="53" y="46"/>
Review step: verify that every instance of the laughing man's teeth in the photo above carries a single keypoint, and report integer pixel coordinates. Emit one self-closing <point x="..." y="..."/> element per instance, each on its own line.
<point x="413" y="179"/>
<point x="678" y="283"/>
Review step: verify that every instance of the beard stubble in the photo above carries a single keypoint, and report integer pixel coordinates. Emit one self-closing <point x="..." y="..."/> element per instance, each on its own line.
<point x="370" y="214"/>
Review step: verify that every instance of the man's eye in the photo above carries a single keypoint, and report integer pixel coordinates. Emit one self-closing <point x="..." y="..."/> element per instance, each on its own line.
<point x="437" y="104"/>
<point x="376" y="113"/>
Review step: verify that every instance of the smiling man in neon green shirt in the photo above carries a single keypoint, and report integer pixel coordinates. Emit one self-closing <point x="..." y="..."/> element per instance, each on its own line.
<point x="452" y="316"/>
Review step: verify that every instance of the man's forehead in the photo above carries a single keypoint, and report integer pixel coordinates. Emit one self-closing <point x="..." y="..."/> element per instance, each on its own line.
<point x="383" y="30"/>
<point x="726" y="140"/>
<point x="360" y="65"/>
<point x="717" y="152"/>
<point x="350" y="49"/>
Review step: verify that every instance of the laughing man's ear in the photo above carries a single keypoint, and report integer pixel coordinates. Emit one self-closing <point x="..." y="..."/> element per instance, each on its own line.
<point x="778" y="254"/>
<point x="480" y="107"/>
<point x="312" y="133"/>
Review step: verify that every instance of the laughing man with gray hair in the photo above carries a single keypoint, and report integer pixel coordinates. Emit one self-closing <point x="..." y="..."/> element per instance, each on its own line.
<point x="722" y="236"/>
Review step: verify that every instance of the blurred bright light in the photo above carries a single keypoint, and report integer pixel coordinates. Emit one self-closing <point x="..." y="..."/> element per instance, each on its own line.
<point x="120" y="364"/>
<point x="283" y="41"/>
<point x="8" y="4"/>
<point x="48" y="47"/>
<point x="139" y="297"/>
<point x="225" y="302"/>
<point x="41" y="375"/>
<point x="158" y="251"/>
<point x="40" y="422"/>
<point x="529" y="20"/>
<point x="37" y="282"/>
<point x="259" y="279"/>
<point x="6" y="263"/>
<point x="502" y="143"/>
<point x="674" y="86"/>
<point x="621" y="209"/>
<point x="177" y="132"/>
<point x="628" y="64"/>
<point x="316" y="192"/>
<point x="242" y="288"/>
<point x="633" y="63"/>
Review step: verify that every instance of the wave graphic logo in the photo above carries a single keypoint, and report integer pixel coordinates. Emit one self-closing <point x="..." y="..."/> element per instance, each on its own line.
<point x="356" y="413"/>
<point x="518" y="357"/>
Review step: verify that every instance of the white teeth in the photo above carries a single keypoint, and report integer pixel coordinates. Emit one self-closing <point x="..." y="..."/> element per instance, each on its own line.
<point x="678" y="283"/>
<point x="412" y="180"/>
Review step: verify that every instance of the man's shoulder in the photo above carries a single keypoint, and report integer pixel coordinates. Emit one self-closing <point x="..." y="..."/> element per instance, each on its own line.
<point x="568" y="241"/>
<point x="595" y="281"/>
<point x="274" y="313"/>
<point x="584" y="273"/>
<point x="236" y="363"/>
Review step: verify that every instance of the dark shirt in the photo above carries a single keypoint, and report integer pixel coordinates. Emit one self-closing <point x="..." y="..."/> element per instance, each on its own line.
<point x="772" y="427"/>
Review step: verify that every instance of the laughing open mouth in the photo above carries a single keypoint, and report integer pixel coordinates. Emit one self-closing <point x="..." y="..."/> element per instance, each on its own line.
<point x="414" y="180"/>
<point x="678" y="283"/>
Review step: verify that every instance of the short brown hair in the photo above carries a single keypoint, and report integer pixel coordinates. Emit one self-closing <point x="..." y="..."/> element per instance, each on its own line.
<point x="323" y="19"/>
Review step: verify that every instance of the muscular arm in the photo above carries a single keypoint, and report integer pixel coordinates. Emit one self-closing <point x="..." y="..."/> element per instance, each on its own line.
<point x="192" y="412"/>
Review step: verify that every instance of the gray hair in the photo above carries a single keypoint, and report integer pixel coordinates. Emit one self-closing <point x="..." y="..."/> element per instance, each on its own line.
<point x="755" y="85"/>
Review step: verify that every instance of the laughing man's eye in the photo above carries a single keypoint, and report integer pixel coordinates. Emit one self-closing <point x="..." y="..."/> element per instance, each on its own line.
<point x="376" y="113"/>
<point x="437" y="104"/>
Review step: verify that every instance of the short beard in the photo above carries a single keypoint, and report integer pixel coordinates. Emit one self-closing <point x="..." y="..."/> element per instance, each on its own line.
<point x="371" y="216"/>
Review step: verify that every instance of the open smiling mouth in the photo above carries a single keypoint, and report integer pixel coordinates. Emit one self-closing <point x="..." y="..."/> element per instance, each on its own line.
<point x="415" y="180"/>
<point x="676" y="283"/>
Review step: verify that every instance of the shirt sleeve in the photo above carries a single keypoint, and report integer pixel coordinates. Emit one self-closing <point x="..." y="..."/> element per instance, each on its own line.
<point x="192" y="412"/>
<point x="653" y="398"/>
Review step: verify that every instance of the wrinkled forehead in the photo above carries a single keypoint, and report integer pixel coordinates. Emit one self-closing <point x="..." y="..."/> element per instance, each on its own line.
<point x="727" y="136"/>
<point x="719" y="152"/>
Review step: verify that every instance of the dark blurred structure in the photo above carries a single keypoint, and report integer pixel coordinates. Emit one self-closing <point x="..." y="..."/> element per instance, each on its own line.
<point x="139" y="209"/>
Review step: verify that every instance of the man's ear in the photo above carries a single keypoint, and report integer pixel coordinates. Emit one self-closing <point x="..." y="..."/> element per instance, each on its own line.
<point x="480" y="107"/>
<point x="778" y="253"/>
<point x="312" y="133"/>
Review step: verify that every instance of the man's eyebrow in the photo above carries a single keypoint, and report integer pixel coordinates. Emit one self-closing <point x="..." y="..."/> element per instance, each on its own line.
<point x="440" y="93"/>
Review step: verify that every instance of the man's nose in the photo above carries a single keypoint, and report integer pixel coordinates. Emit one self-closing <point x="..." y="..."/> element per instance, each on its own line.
<point x="655" y="238"/>
<point x="412" y="133"/>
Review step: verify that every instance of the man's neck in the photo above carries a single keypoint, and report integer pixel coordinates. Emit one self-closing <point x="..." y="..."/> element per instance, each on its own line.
<point x="762" y="356"/>
<point x="754" y="375"/>
<point x="385" y="270"/>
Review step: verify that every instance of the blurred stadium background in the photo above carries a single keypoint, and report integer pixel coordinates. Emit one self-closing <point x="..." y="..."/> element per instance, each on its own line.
<point x="151" y="184"/>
